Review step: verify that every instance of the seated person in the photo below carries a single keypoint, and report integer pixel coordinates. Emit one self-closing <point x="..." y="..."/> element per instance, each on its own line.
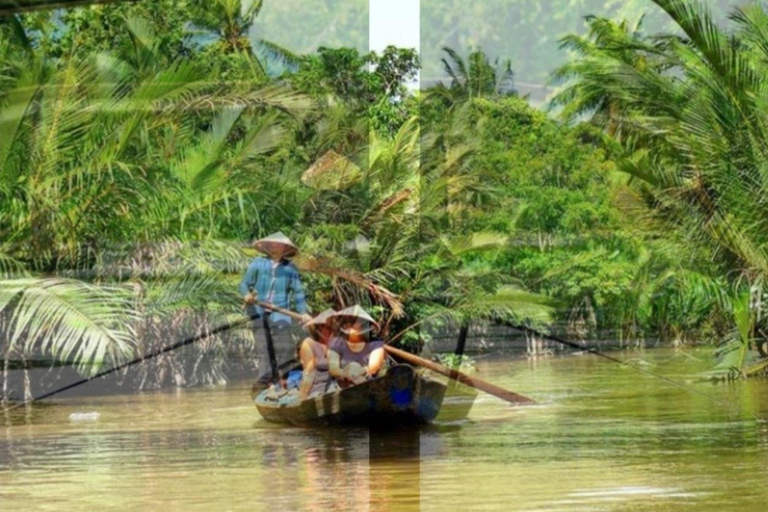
<point x="313" y="354"/>
<point x="357" y="354"/>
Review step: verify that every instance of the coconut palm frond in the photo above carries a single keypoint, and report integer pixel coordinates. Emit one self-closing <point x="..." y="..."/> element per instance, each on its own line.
<point x="171" y="86"/>
<point x="198" y="167"/>
<point x="10" y="268"/>
<point x="509" y="303"/>
<point x="475" y="242"/>
<point x="250" y="9"/>
<point x="280" y="54"/>
<point x="164" y="297"/>
<point x="169" y="259"/>
<point x="279" y="97"/>
<point x="378" y="293"/>
<point x="733" y="353"/>
<point x="70" y="320"/>
<point x="263" y="136"/>
<point x="17" y="103"/>
<point x="696" y="21"/>
<point x="456" y="68"/>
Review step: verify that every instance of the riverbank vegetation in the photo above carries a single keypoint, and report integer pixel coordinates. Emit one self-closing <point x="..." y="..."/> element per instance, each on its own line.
<point x="145" y="145"/>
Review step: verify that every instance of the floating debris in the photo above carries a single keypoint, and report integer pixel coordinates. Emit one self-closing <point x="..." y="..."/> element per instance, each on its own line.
<point x="84" y="416"/>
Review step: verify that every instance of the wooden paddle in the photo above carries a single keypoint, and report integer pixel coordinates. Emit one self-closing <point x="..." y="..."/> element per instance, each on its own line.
<point x="456" y="375"/>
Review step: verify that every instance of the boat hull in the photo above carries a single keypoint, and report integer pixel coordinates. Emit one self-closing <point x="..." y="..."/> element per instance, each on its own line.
<point x="401" y="397"/>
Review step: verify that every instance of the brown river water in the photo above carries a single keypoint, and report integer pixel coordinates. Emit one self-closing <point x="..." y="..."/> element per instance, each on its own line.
<point x="603" y="438"/>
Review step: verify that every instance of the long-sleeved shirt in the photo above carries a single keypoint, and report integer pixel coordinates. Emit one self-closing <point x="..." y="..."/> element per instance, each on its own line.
<point x="274" y="283"/>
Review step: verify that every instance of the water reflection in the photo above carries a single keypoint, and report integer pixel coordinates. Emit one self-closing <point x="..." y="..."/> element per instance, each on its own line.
<point x="394" y="461"/>
<point x="602" y="439"/>
<point x="355" y="469"/>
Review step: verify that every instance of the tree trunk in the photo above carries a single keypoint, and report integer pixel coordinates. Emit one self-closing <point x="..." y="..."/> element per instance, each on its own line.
<point x="461" y="343"/>
<point x="5" y="379"/>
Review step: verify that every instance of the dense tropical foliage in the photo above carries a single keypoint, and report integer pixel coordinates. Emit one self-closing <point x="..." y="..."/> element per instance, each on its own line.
<point x="689" y="116"/>
<point x="138" y="161"/>
<point x="143" y="147"/>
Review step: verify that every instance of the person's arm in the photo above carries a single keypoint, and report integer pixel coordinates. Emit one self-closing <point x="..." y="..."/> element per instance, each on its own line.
<point x="334" y="364"/>
<point x="308" y="365"/>
<point x="248" y="282"/>
<point x="376" y="361"/>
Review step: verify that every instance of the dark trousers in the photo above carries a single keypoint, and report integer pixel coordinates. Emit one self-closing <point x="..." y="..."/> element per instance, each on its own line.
<point x="282" y="340"/>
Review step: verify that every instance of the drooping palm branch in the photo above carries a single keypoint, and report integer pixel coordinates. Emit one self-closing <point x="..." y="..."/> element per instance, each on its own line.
<point x="67" y="320"/>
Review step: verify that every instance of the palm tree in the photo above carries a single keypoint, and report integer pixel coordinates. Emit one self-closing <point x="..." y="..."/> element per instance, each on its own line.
<point x="230" y="23"/>
<point x="607" y="45"/>
<point x="229" y="20"/>
<point x="475" y="77"/>
<point x="118" y="147"/>
<point x="396" y="217"/>
<point x="689" y="112"/>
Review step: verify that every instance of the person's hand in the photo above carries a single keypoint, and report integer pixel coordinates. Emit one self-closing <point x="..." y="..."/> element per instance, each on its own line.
<point x="250" y="299"/>
<point x="346" y="375"/>
<point x="305" y="318"/>
<point x="354" y="372"/>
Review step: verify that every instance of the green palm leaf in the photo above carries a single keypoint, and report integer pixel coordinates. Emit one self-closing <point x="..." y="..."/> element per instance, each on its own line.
<point x="70" y="320"/>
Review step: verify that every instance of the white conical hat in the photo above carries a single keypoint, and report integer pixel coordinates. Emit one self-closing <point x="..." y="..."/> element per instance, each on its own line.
<point x="357" y="312"/>
<point x="323" y="318"/>
<point x="276" y="238"/>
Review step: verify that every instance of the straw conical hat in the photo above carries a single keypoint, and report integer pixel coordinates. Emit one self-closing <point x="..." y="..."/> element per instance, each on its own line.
<point x="322" y="319"/>
<point x="278" y="238"/>
<point x="357" y="312"/>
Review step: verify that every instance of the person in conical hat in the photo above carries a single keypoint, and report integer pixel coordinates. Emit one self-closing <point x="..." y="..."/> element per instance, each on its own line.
<point x="358" y="354"/>
<point x="356" y="318"/>
<point x="313" y="354"/>
<point x="273" y="279"/>
<point x="276" y="245"/>
<point x="322" y="326"/>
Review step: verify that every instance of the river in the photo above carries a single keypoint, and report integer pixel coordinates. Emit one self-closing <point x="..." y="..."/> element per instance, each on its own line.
<point x="603" y="438"/>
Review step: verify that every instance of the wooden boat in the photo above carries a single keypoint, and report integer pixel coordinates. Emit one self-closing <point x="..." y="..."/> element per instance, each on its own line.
<point x="402" y="396"/>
